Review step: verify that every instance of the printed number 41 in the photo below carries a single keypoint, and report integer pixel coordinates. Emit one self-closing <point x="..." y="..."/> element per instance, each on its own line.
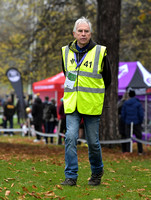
<point x="88" y="64"/>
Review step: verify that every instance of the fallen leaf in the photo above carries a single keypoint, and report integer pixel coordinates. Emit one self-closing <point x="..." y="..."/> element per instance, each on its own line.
<point x="97" y="199"/>
<point x="33" y="168"/>
<point x="105" y="183"/>
<point x="111" y="170"/>
<point x="2" y="198"/>
<point x="86" y="194"/>
<point x="50" y="193"/>
<point x="33" y="186"/>
<point x="12" y="185"/>
<point x="25" y="189"/>
<point x="33" y="195"/>
<point x="138" y="190"/>
<point x="7" y="192"/>
<point x="18" y="193"/>
<point x="10" y="179"/>
<point x="118" y="196"/>
<point x="59" y="187"/>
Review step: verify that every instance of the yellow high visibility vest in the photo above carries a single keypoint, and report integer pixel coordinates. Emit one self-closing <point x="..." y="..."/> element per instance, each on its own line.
<point x="87" y="95"/>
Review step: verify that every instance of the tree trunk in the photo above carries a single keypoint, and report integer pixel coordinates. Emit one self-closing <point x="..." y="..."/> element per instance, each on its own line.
<point x="108" y="30"/>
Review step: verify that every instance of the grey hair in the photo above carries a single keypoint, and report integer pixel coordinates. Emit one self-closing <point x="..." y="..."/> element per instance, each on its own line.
<point x="82" y="20"/>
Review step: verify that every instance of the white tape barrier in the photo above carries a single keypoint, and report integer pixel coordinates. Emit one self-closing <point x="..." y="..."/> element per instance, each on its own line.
<point x="115" y="141"/>
<point x="101" y="142"/>
<point x="82" y="140"/>
<point x="141" y="141"/>
<point x="13" y="130"/>
<point x="46" y="134"/>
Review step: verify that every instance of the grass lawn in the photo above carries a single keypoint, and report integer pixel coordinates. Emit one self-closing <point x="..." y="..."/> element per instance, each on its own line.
<point x="35" y="171"/>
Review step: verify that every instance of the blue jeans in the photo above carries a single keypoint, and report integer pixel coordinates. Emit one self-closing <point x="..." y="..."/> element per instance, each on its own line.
<point x="91" y="127"/>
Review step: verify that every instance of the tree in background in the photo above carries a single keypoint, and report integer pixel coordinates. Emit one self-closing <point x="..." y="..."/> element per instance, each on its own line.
<point x="135" y="37"/>
<point x="108" y="30"/>
<point x="34" y="32"/>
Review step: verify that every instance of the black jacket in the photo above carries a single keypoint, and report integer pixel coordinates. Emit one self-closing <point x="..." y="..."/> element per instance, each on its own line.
<point x="37" y="111"/>
<point x="9" y="110"/>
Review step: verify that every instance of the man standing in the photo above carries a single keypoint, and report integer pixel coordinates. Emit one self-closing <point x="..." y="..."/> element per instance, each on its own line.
<point x="37" y="113"/>
<point x="87" y="71"/>
<point x="9" y="111"/>
<point x="132" y="111"/>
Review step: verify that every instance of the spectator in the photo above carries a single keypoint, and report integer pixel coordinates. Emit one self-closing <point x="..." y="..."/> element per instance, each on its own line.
<point x="45" y="107"/>
<point x="53" y="120"/>
<point x="9" y="111"/>
<point x="121" y="122"/>
<point x="132" y="111"/>
<point x="50" y="117"/>
<point x="63" y="120"/>
<point x="21" y="113"/>
<point x="30" y="100"/>
<point x="37" y="114"/>
<point x="46" y="116"/>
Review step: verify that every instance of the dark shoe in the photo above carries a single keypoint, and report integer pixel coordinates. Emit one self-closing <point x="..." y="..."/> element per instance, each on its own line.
<point x="95" y="179"/>
<point x="69" y="181"/>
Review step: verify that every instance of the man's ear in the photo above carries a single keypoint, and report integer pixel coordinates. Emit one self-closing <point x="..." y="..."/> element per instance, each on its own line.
<point x="74" y="34"/>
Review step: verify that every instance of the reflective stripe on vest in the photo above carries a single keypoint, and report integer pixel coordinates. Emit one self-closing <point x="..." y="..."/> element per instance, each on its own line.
<point x="84" y="89"/>
<point x="96" y="60"/>
<point x="88" y="92"/>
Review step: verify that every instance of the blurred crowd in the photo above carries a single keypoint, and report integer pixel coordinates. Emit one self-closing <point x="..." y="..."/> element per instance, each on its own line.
<point x="40" y="116"/>
<point x="43" y="117"/>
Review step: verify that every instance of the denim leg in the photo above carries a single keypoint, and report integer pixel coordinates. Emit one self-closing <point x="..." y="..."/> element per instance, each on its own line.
<point x="91" y="125"/>
<point x="71" y="136"/>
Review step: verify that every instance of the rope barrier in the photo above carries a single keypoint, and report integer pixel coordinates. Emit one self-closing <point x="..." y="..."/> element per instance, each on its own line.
<point x="56" y="135"/>
<point x="141" y="141"/>
<point x="13" y="130"/>
<point x="115" y="141"/>
<point x="46" y="134"/>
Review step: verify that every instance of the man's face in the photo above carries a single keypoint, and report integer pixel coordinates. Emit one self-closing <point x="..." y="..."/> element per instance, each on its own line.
<point x="82" y="34"/>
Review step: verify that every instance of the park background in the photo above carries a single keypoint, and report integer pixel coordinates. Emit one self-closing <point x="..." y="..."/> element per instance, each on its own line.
<point x="31" y="36"/>
<point x="33" y="32"/>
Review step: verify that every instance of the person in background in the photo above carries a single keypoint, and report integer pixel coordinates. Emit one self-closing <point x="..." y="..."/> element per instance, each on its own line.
<point x="9" y="111"/>
<point x="121" y="122"/>
<point x="45" y="105"/>
<point x="63" y="120"/>
<point x="21" y="113"/>
<point x="47" y="113"/>
<point x="132" y="111"/>
<point x="53" y="120"/>
<point x="87" y="70"/>
<point x="37" y="114"/>
<point x="30" y="100"/>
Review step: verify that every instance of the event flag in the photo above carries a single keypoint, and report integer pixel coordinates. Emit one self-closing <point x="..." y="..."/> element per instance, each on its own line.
<point x="14" y="76"/>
